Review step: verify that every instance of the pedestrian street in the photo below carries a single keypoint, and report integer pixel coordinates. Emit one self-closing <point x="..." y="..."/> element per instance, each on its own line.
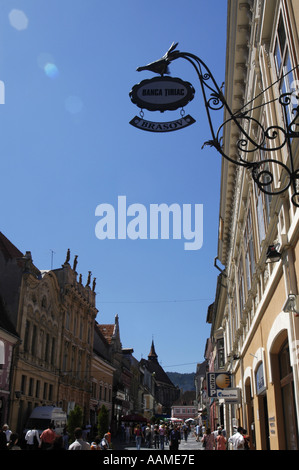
<point x="191" y="445"/>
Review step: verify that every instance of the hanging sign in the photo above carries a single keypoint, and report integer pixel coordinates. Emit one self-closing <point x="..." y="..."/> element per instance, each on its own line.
<point x="150" y="126"/>
<point x="162" y="94"/>
<point x="217" y="381"/>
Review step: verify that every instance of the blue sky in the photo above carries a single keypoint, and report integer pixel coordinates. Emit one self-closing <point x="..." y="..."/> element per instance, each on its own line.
<point x="67" y="146"/>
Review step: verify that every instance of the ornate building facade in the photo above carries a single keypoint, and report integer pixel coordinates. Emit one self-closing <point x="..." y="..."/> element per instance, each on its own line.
<point x="255" y="328"/>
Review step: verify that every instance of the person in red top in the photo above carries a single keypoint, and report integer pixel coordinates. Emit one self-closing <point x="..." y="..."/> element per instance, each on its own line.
<point x="47" y="437"/>
<point x="220" y="441"/>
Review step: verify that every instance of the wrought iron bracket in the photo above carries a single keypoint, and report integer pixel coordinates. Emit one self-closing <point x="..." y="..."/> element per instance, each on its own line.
<point x="252" y="153"/>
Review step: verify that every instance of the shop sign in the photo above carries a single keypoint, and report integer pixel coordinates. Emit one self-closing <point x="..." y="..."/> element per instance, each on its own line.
<point x="260" y="380"/>
<point x="217" y="381"/>
<point x="230" y="395"/>
<point x="169" y="126"/>
<point x="162" y="94"/>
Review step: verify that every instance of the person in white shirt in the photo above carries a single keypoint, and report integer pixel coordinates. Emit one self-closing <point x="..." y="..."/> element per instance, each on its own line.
<point x="32" y="439"/>
<point x="79" y="444"/>
<point x="237" y="439"/>
<point x="7" y="431"/>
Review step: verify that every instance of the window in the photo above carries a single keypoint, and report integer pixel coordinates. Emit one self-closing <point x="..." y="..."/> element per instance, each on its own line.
<point x="23" y="384"/>
<point x="249" y="250"/>
<point x="26" y="336"/>
<point x="45" y="391"/>
<point x="50" y="392"/>
<point x="37" y="388"/>
<point x="33" y="342"/>
<point x="53" y="352"/>
<point x="30" y="391"/>
<point x="241" y="286"/>
<point x="220" y="353"/>
<point x="283" y="63"/>
<point x="47" y="348"/>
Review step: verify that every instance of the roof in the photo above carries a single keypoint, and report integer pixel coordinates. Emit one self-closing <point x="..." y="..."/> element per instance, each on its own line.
<point x="154" y="367"/>
<point x="107" y="331"/>
<point x="152" y="354"/>
<point x="9" y="250"/>
<point x="5" y="323"/>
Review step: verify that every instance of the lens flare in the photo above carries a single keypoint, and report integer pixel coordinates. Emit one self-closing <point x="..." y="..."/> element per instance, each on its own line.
<point x="18" y="19"/>
<point x="51" y="70"/>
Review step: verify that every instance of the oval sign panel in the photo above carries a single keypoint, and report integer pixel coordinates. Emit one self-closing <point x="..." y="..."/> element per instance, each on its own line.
<point x="162" y="94"/>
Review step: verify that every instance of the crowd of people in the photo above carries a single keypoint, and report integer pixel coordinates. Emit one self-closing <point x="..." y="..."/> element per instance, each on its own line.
<point x="217" y="440"/>
<point x="155" y="436"/>
<point x="158" y="436"/>
<point x="50" y="440"/>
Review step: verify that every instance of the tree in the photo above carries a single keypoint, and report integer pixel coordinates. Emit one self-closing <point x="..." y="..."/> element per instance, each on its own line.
<point x="103" y="421"/>
<point x="75" y="420"/>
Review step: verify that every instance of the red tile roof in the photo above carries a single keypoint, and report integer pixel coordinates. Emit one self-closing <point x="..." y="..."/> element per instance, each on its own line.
<point x="107" y="331"/>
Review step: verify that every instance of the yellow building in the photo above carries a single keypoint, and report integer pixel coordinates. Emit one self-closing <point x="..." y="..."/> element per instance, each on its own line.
<point x="76" y="351"/>
<point x="255" y="309"/>
<point x="101" y="376"/>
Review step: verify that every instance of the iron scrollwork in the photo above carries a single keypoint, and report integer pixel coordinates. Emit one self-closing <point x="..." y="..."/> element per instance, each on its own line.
<point x="266" y="140"/>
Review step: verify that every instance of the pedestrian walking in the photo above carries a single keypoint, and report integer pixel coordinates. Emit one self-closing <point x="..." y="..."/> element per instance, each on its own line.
<point x="197" y="432"/>
<point x="162" y="436"/>
<point x="7" y="432"/>
<point x="208" y="440"/>
<point x="79" y="444"/>
<point x="47" y="437"/>
<point x="32" y="439"/>
<point x="174" y="438"/>
<point x="148" y="436"/>
<point x="65" y="438"/>
<point x="138" y="436"/>
<point x="237" y="439"/>
<point x="104" y="444"/>
<point x="13" y="442"/>
<point x="156" y="437"/>
<point x="246" y="439"/>
<point x="220" y="441"/>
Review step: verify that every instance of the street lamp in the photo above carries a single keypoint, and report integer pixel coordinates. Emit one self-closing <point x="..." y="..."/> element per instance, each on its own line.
<point x="265" y="141"/>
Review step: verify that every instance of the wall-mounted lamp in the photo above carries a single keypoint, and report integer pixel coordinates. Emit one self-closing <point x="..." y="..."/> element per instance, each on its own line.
<point x="291" y="305"/>
<point x="273" y="254"/>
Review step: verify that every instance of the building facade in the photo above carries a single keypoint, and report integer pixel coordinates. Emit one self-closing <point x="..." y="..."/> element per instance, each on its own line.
<point x="101" y="377"/>
<point x="185" y="407"/>
<point x="255" y="327"/>
<point x="160" y="393"/>
<point x="77" y="302"/>
<point x="9" y="340"/>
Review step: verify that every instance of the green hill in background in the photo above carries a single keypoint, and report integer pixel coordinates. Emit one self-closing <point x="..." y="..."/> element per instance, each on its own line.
<point x="184" y="381"/>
